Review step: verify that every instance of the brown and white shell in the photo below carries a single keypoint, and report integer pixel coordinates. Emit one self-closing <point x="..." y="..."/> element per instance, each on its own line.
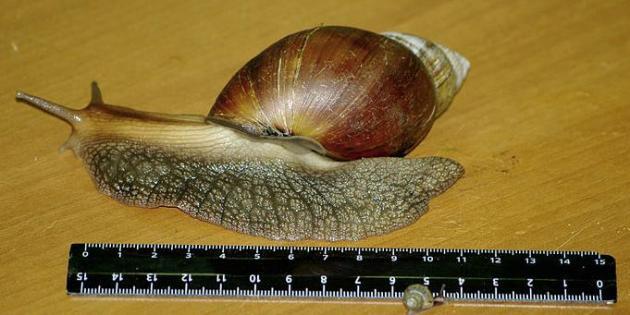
<point x="356" y="93"/>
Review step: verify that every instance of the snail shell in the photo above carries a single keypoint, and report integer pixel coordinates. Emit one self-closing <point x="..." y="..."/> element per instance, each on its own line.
<point x="276" y="187"/>
<point x="355" y="93"/>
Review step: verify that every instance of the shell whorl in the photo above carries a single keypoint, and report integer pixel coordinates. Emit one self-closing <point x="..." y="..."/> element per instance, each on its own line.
<point x="448" y="68"/>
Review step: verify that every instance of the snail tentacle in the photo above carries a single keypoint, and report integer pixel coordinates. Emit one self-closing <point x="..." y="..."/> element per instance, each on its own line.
<point x="67" y="114"/>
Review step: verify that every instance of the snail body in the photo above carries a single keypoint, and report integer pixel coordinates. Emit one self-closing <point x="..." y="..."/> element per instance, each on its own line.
<point x="234" y="172"/>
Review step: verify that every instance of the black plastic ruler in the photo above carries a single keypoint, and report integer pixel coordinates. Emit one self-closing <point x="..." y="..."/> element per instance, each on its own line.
<point x="524" y="276"/>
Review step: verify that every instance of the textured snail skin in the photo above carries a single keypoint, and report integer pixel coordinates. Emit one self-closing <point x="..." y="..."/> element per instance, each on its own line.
<point x="357" y="93"/>
<point x="267" y="187"/>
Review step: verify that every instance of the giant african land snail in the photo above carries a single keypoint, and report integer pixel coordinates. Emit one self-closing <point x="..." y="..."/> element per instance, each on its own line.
<point x="267" y="159"/>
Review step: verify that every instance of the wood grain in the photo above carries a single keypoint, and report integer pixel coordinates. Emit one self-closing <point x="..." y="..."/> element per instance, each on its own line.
<point x="542" y="126"/>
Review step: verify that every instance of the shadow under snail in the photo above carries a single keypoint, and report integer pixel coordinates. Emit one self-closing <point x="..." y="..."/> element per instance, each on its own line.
<point x="304" y="142"/>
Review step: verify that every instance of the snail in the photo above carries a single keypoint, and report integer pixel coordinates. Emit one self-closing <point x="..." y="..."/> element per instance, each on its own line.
<point x="304" y="142"/>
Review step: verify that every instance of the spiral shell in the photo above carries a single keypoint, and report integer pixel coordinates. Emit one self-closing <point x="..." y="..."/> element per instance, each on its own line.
<point x="356" y="93"/>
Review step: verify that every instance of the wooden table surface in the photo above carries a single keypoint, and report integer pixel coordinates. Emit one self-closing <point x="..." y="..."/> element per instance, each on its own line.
<point x="542" y="127"/>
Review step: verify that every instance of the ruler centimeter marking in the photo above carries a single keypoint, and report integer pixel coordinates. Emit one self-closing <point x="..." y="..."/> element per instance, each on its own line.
<point x="524" y="276"/>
